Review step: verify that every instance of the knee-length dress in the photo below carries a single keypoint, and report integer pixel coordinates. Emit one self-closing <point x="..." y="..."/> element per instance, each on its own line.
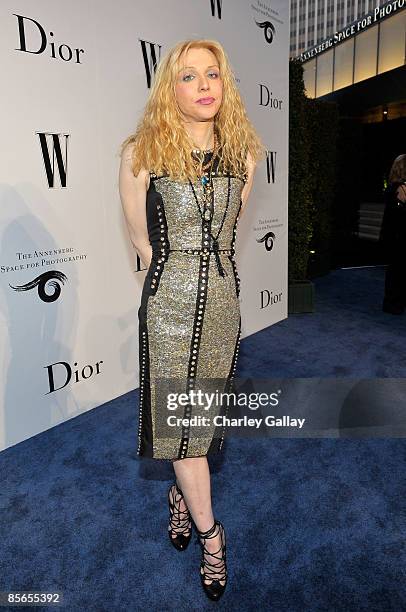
<point x="189" y="317"/>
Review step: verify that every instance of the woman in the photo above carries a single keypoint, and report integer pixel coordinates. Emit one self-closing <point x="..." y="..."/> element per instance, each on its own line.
<point x="393" y="237"/>
<point x="185" y="177"/>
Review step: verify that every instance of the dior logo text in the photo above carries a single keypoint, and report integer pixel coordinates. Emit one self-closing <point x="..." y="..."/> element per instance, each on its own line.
<point x="266" y="99"/>
<point x="268" y="298"/>
<point x="29" y="28"/>
<point x="64" y="373"/>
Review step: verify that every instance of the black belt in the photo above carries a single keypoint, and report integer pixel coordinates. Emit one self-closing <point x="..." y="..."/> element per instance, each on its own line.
<point x="206" y="251"/>
<point x="202" y="251"/>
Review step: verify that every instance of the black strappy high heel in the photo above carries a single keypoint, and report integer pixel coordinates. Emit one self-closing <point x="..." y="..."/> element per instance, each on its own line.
<point x="180" y="521"/>
<point x="214" y="590"/>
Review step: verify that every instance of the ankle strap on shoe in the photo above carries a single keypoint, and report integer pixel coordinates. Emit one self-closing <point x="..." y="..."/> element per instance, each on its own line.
<point x="179" y="490"/>
<point x="210" y="532"/>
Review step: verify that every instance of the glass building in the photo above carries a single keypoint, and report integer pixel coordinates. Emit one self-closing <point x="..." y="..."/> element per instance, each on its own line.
<point x="342" y="43"/>
<point x="354" y="55"/>
<point x="312" y="21"/>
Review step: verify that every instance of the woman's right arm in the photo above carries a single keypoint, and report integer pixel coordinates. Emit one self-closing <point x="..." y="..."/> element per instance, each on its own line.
<point x="133" y="195"/>
<point x="401" y="192"/>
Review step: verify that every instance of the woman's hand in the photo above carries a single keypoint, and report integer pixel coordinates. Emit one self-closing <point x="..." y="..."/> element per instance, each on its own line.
<point x="401" y="193"/>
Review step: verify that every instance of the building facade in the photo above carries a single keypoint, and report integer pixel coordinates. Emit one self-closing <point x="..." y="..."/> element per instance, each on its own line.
<point x="312" y="21"/>
<point x="353" y="54"/>
<point x="342" y="43"/>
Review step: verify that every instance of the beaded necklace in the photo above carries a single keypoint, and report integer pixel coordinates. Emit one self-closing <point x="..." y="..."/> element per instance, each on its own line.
<point x="207" y="212"/>
<point x="206" y="180"/>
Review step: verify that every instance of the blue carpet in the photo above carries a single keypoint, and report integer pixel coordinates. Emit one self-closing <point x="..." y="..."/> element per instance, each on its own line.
<point x="312" y="524"/>
<point x="348" y="335"/>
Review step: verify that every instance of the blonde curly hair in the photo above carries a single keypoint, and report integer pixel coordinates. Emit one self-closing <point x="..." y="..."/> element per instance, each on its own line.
<point x="161" y="143"/>
<point x="397" y="173"/>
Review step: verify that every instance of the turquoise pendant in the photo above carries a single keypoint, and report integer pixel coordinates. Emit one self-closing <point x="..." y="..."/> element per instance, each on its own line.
<point x="205" y="180"/>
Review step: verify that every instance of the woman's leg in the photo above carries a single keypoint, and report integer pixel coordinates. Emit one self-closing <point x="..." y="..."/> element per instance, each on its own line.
<point x="193" y="477"/>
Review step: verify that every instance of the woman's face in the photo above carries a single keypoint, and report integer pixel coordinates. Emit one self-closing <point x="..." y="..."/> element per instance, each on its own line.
<point x="198" y="87"/>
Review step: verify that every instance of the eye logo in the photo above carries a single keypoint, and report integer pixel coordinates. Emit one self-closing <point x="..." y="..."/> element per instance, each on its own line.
<point x="268" y="239"/>
<point x="41" y="281"/>
<point x="269" y="30"/>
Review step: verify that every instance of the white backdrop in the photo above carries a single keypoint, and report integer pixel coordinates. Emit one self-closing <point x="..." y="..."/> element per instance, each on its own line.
<point x="75" y="80"/>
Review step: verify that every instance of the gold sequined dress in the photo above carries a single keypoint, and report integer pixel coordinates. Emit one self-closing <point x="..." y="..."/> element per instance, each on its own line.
<point x="189" y="317"/>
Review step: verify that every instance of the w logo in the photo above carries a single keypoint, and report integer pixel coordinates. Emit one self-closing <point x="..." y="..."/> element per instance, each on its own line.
<point x="270" y="166"/>
<point x="138" y="265"/>
<point x="51" y="150"/>
<point x="213" y="4"/>
<point x="150" y="58"/>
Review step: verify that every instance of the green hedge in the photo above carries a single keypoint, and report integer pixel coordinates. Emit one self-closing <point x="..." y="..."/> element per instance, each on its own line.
<point x="313" y="132"/>
<point x="299" y="225"/>
<point x="322" y="122"/>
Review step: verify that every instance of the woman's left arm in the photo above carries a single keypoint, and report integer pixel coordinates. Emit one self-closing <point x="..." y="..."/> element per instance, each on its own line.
<point x="250" y="179"/>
